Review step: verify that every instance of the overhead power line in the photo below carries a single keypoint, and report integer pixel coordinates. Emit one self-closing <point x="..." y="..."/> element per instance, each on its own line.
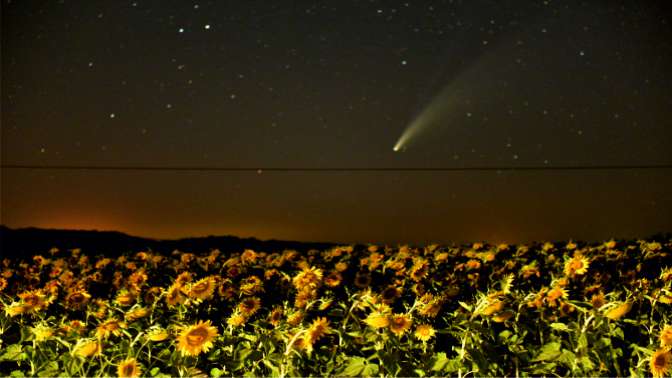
<point x="331" y="169"/>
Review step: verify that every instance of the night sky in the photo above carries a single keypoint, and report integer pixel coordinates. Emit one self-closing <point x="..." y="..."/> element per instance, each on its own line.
<point x="337" y="84"/>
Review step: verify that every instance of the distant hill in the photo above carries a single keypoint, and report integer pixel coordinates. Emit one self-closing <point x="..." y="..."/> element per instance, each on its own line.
<point x="31" y="241"/>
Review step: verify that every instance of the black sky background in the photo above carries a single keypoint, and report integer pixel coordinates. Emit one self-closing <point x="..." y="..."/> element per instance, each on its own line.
<point x="259" y="84"/>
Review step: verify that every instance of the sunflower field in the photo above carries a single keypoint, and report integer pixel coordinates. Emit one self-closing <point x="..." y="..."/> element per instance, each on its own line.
<point x="565" y="309"/>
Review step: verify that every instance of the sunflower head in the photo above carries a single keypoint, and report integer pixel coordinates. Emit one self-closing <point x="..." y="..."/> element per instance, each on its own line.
<point x="317" y="330"/>
<point x="424" y="332"/>
<point x="196" y="338"/>
<point x="666" y="336"/>
<point x="400" y="323"/>
<point x="87" y="348"/>
<point x="249" y="306"/>
<point x="202" y="289"/>
<point x="157" y="334"/>
<point x="128" y="368"/>
<point x="618" y="311"/>
<point x="660" y="363"/>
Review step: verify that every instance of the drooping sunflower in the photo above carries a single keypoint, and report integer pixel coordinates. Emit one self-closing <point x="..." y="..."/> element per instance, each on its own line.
<point x="129" y="368"/>
<point x="249" y="306"/>
<point x="137" y="313"/>
<point x="157" y="334"/>
<point x="112" y="326"/>
<point x="174" y="295"/>
<point x="377" y="319"/>
<point x="317" y="330"/>
<point x="87" y="348"/>
<point x="660" y="363"/>
<point x="202" y="289"/>
<point x="424" y="332"/>
<point x="390" y="294"/>
<point x="196" y="338"/>
<point x="618" y="311"/>
<point x="295" y="318"/>
<point x="42" y="332"/>
<point x="236" y="319"/>
<point x="125" y="298"/>
<point x="251" y="285"/>
<point x="400" y="323"/>
<point x="666" y="336"/>
<point x="34" y="300"/>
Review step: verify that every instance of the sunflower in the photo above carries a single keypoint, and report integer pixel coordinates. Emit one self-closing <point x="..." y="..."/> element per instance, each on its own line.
<point x="305" y="296"/>
<point x="183" y="278"/>
<point x="251" y="285"/>
<point x="429" y="305"/>
<point x="618" y="311"/>
<point x="137" y="313"/>
<point x="377" y="319"/>
<point x="555" y="294"/>
<point x="503" y="316"/>
<point x="125" y="298"/>
<point x="129" y="368"/>
<point x="666" y="336"/>
<point x="34" y="301"/>
<point x="390" y="294"/>
<point x="202" y="289"/>
<point x="577" y="265"/>
<point x="660" y="363"/>
<point x="333" y="279"/>
<point x="248" y="257"/>
<point x="157" y="334"/>
<point x="87" y="348"/>
<point x="275" y="316"/>
<point x="196" y="338"/>
<point x="295" y="318"/>
<point x="424" y="332"/>
<point x="109" y="327"/>
<point x="15" y="309"/>
<point x="362" y="280"/>
<point x="341" y="266"/>
<point x="249" y="306"/>
<point x="236" y="319"/>
<point x="598" y="300"/>
<point x="419" y="270"/>
<point x="400" y="323"/>
<point x="174" y="295"/>
<point x="316" y="331"/>
<point x="308" y="277"/>
<point x="42" y="332"/>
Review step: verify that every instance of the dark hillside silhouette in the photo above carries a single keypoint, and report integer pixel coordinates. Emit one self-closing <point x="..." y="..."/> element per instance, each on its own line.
<point x="30" y="241"/>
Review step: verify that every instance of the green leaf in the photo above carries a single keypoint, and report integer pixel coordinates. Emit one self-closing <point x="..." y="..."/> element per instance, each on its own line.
<point x="12" y="353"/>
<point x="419" y="372"/>
<point x="154" y="371"/>
<point x="359" y="367"/>
<point x="548" y="352"/>
<point x="370" y="370"/>
<point x="216" y="372"/>
<point x="588" y="365"/>
<point x="466" y="306"/>
<point x="440" y="361"/>
<point x="355" y="367"/>
<point x="50" y="370"/>
<point x="560" y="327"/>
<point x="17" y="373"/>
